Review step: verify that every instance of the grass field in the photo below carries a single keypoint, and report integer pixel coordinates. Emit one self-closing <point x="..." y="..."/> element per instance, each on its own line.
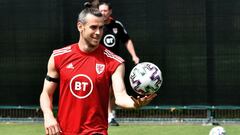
<point x="37" y="129"/>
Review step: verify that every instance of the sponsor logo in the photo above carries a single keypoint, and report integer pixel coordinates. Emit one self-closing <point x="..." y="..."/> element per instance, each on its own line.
<point x="70" y="66"/>
<point x="109" y="40"/>
<point x="81" y="86"/>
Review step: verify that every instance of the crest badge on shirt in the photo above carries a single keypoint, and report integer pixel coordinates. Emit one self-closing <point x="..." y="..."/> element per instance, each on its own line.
<point x="100" y="68"/>
<point x="115" y="30"/>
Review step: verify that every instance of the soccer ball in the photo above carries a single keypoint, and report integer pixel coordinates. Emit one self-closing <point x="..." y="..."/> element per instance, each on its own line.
<point x="218" y="130"/>
<point x="145" y="78"/>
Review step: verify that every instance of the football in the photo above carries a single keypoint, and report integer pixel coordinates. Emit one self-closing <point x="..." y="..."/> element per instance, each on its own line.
<point x="218" y="130"/>
<point x="145" y="78"/>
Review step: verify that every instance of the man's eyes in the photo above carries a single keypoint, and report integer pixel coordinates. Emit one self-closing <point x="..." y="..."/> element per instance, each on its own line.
<point x="96" y="27"/>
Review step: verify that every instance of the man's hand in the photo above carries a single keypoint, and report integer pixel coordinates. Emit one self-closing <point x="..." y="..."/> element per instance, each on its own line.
<point x="135" y="60"/>
<point x="139" y="102"/>
<point x="51" y="126"/>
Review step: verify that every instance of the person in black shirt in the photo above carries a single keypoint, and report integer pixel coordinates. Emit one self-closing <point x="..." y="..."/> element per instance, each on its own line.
<point x="114" y="35"/>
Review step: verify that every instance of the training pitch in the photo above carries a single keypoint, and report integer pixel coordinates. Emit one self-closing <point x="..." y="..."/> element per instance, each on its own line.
<point x="130" y="129"/>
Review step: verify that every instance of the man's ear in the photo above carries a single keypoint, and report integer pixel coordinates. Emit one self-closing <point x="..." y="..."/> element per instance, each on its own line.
<point x="79" y="26"/>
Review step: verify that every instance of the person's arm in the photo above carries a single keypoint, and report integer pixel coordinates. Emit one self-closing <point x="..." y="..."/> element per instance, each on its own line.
<point x="121" y="96"/>
<point x="46" y="97"/>
<point x="130" y="47"/>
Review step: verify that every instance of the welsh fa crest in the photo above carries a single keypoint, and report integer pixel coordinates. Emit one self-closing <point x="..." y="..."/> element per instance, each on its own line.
<point x="100" y="68"/>
<point x="115" y="30"/>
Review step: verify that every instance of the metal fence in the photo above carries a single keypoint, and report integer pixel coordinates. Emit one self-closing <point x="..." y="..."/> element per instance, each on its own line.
<point x="181" y="114"/>
<point x="147" y="114"/>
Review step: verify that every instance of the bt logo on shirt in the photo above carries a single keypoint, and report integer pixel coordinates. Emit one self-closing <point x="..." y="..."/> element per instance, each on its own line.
<point x="81" y="86"/>
<point x="109" y="40"/>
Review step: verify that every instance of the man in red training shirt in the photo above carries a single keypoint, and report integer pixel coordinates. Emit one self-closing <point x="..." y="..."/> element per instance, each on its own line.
<point x="84" y="71"/>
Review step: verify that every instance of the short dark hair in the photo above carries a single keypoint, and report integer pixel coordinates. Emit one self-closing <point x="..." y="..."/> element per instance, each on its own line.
<point x="82" y="15"/>
<point x="105" y="3"/>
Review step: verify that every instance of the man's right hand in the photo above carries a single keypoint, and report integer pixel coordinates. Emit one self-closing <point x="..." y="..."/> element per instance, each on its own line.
<point x="51" y="126"/>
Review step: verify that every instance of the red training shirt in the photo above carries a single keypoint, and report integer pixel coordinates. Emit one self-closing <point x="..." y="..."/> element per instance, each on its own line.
<point x="84" y="89"/>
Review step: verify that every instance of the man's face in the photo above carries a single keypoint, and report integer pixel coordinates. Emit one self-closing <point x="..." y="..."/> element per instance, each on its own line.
<point x="106" y="12"/>
<point x="92" y="30"/>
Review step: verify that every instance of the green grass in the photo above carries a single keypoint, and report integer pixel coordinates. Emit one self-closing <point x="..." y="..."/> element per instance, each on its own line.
<point x="169" y="130"/>
<point x="126" y="129"/>
<point x="21" y="129"/>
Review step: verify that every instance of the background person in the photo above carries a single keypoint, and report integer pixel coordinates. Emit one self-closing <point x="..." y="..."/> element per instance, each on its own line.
<point x="84" y="72"/>
<point x="114" y="34"/>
